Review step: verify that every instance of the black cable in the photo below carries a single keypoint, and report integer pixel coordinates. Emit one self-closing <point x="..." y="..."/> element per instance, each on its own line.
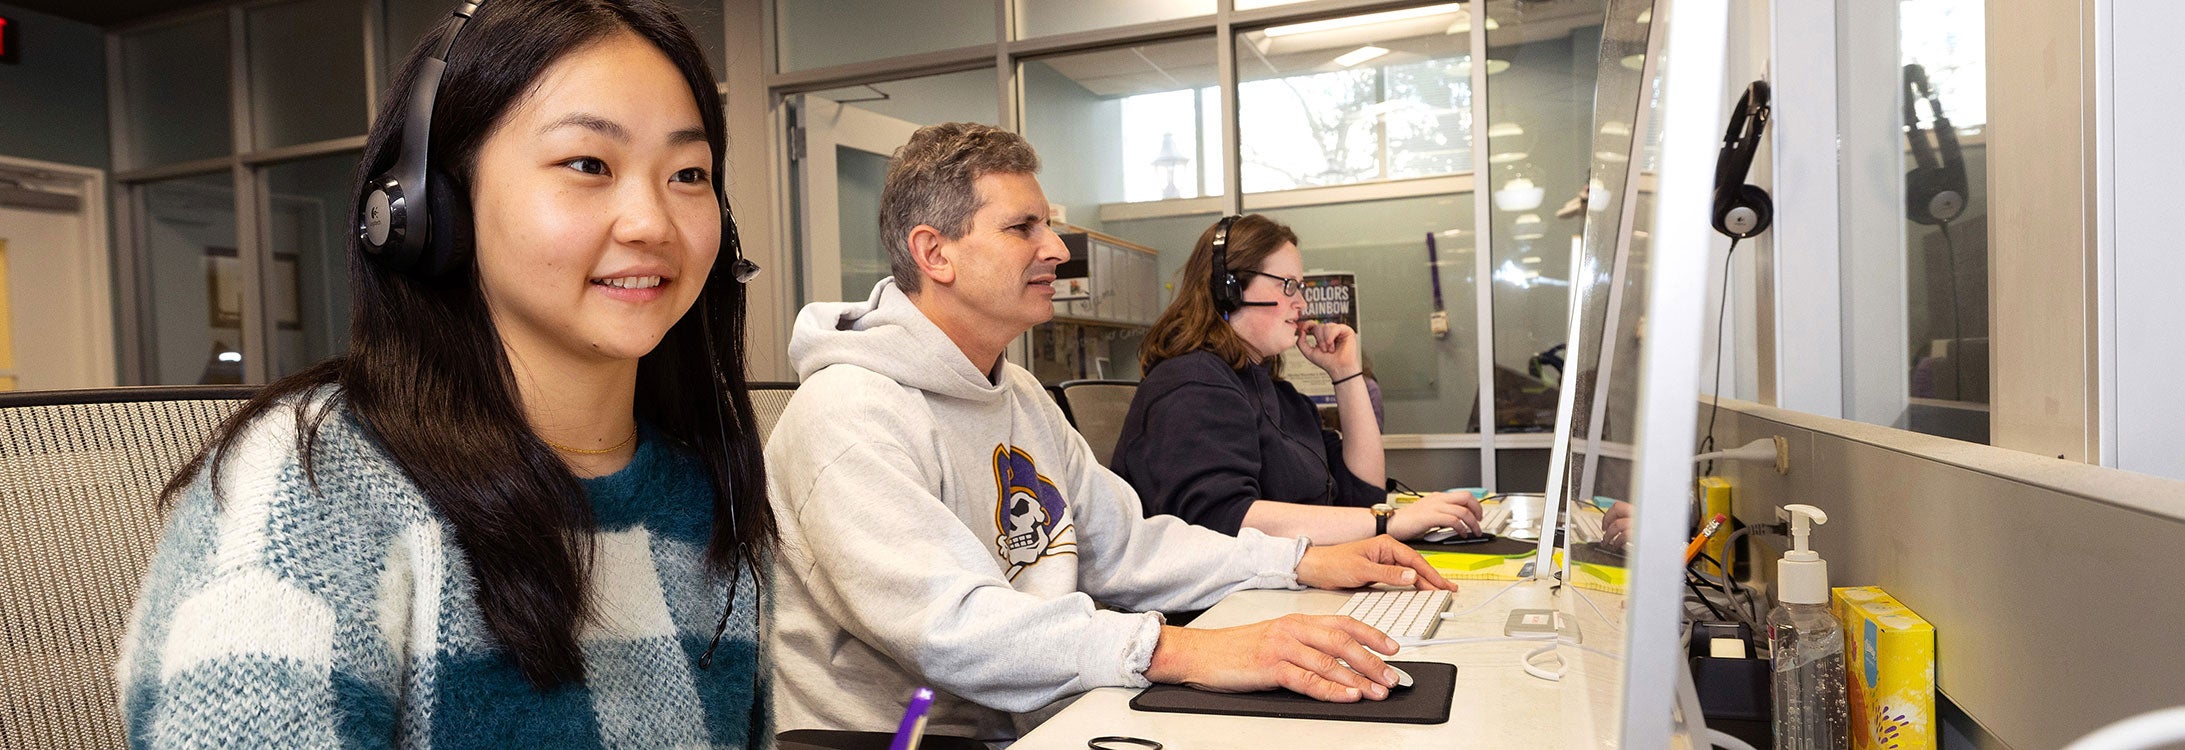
<point x="1721" y="324"/>
<point x="1725" y="616"/>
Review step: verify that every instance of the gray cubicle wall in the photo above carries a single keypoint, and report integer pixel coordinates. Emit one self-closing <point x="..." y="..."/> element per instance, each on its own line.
<point x="2055" y="587"/>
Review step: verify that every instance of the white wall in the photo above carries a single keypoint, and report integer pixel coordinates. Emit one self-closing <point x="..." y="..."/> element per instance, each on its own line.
<point x="2144" y="159"/>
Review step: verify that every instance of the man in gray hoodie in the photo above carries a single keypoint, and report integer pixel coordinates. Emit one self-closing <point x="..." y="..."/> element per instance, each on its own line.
<point x="943" y="525"/>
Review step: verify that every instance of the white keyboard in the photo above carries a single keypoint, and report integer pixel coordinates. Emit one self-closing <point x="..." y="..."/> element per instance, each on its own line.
<point x="1495" y="518"/>
<point x="1585" y="526"/>
<point x="1408" y="616"/>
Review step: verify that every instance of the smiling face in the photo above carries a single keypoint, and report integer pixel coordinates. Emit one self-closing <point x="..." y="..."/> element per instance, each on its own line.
<point x="1271" y="330"/>
<point x="593" y="206"/>
<point x="1004" y="265"/>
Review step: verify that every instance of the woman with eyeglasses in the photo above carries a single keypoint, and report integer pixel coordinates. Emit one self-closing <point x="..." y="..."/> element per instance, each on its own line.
<point x="527" y="507"/>
<point x="1216" y="437"/>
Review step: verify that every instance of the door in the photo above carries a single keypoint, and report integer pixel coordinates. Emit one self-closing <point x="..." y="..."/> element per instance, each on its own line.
<point x="56" y="316"/>
<point x="839" y="169"/>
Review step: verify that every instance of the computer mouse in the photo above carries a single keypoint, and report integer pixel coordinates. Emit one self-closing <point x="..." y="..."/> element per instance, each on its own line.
<point x="1403" y="678"/>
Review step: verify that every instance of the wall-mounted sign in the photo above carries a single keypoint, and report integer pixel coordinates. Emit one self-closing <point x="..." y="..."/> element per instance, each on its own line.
<point x="7" y="40"/>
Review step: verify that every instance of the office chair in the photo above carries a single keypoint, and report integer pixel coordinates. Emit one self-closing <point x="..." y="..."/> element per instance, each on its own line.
<point x="80" y="474"/>
<point x="767" y="402"/>
<point x="1096" y="408"/>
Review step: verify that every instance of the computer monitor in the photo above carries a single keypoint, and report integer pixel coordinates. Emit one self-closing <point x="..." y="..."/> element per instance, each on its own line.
<point x="1630" y="391"/>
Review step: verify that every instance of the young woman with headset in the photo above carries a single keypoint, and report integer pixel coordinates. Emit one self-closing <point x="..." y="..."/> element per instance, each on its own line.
<point x="1215" y="437"/>
<point x="526" y="508"/>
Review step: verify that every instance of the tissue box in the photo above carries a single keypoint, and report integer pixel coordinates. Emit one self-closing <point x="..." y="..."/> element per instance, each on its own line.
<point x="1889" y="670"/>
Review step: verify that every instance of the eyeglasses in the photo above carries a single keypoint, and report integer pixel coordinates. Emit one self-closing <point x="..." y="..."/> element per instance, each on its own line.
<point x="1290" y="286"/>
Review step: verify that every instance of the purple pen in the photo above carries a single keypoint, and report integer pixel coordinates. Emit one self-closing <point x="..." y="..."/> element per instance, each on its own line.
<point x="913" y="727"/>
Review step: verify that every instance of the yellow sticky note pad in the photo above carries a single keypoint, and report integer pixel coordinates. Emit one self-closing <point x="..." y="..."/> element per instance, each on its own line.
<point x="1889" y="670"/>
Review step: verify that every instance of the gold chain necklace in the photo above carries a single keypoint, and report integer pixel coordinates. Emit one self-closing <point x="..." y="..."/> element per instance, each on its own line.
<point x="588" y="452"/>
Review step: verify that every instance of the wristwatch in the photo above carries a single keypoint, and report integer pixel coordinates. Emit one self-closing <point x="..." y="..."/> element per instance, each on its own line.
<point x="1381" y="514"/>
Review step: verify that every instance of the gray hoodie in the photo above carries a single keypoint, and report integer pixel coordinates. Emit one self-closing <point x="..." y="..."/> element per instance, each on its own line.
<point x="944" y="530"/>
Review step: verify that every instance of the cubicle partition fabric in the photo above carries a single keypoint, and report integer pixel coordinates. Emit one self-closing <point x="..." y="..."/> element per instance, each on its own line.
<point x="80" y="474"/>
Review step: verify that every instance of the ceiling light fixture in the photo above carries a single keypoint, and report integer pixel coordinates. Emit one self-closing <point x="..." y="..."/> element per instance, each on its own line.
<point x="1365" y="20"/>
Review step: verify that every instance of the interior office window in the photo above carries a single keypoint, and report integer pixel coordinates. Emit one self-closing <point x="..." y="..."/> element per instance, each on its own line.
<point x="1114" y="126"/>
<point x="306" y="72"/>
<point x="194" y="327"/>
<point x="408" y="20"/>
<point x="821" y="33"/>
<point x="846" y="136"/>
<point x="1125" y="125"/>
<point x="1357" y="99"/>
<point x="1044" y="17"/>
<point x="306" y="285"/>
<point x="1944" y="70"/>
<point x="1542" y="60"/>
<point x="175" y="92"/>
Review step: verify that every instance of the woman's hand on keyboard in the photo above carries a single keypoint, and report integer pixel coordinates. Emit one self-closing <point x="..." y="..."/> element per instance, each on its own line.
<point x="1366" y="562"/>
<point x="1295" y="652"/>
<point x="1456" y="510"/>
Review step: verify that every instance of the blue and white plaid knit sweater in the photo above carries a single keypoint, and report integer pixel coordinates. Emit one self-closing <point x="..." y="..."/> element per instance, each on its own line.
<point x="283" y="616"/>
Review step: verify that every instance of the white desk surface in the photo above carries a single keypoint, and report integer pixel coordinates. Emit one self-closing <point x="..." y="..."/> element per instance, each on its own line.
<point x="1497" y="704"/>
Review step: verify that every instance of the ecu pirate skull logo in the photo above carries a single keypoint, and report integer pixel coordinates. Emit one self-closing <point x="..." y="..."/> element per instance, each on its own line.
<point x="1028" y="513"/>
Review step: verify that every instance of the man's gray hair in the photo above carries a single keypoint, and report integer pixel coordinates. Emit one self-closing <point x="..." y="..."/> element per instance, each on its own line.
<point x="931" y="182"/>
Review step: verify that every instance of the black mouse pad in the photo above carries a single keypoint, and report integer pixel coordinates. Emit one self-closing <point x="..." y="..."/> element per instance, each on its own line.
<point x="1500" y="545"/>
<point x="1433" y="689"/>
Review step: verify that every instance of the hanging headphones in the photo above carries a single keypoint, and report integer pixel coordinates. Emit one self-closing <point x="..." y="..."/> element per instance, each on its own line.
<point x="412" y="217"/>
<point x="1935" y="188"/>
<point x="1742" y="210"/>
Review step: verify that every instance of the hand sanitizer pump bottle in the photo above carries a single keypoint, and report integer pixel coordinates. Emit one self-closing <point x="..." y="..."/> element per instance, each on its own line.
<point x="1808" y="647"/>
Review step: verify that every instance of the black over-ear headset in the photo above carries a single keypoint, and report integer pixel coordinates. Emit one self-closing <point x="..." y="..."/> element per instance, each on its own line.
<point x="415" y="218"/>
<point x="403" y="206"/>
<point x="1742" y="210"/>
<point x="1227" y="289"/>
<point x="1935" y="188"/>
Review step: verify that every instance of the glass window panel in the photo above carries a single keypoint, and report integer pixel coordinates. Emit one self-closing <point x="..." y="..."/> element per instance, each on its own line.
<point x="1044" y="17"/>
<point x="406" y="24"/>
<point x="175" y="92"/>
<point x="1115" y="126"/>
<point x="1429" y="384"/>
<point x="306" y="72"/>
<point x="1944" y="59"/>
<point x="1125" y="125"/>
<point x="1540" y="147"/>
<point x="196" y="280"/>
<point x="820" y="33"/>
<point x="857" y="129"/>
<point x="1358" y="99"/>
<point x="307" y="285"/>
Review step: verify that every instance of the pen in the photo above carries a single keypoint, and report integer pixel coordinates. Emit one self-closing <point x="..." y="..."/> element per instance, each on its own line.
<point x="913" y="728"/>
<point x="1691" y="551"/>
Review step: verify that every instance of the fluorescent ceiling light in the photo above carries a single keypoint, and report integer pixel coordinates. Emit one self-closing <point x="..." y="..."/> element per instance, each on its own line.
<point x="1508" y="157"/>
<point x="1360" y="55"/>
<point x="1530" y="260"/>
<point x="1505" y="130"/>
<point x="1615" y="127"/>
<point x="1616" y="157"/>
<point x="1365" y="20"/>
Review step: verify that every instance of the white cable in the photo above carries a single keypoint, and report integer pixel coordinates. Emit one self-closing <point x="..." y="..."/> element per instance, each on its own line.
<point x="1537" y="671"/>
<point x="1482" y="605"/>
<point x="1719" y="738"/>
<point x="2152" y="729"/>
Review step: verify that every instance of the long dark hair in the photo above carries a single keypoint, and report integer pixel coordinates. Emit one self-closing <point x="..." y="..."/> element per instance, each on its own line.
<point x="1191" y="321"/>
<point x="428" y="378"/>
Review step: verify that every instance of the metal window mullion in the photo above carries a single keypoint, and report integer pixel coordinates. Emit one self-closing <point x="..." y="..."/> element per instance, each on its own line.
<point x="1225" y="70"/>
<point x="375" y="25"/>
<point x="129" y="266"/>
<point x="1483" y="302"/>
<point x="250" y="243"/>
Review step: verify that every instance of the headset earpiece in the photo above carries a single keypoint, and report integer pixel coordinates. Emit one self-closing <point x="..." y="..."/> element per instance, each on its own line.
<point x="1742" y="210"/>
<point x="410" y="216"/>
<point x="1227" y="290"/>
